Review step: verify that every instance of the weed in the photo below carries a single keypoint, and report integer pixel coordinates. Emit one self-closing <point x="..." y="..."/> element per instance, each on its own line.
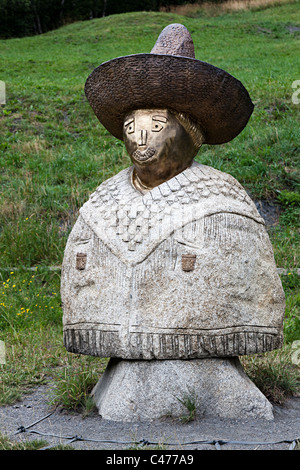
<point x="289" y="198"/>
<point x="189" y="401"/>
<point x="31" y="355"/>
<point x="27" y="298"/>
<point x="274" y="374"/>
<point x="145" y="446"/>
<point x="8" y="444"/>
<point x="74" y="382"/>
<point x="291" y="285"/>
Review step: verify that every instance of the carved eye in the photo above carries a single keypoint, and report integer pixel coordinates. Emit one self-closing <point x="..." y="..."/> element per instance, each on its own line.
<point x="129" y="127"/>
<point x="158" y="123"/>
<point x="156" y="126"/>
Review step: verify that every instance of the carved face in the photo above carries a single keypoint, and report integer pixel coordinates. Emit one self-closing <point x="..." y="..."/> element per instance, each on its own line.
<point x="156" y="136"/>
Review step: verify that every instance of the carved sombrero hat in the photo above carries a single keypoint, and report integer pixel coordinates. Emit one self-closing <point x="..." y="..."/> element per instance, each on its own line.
<point x="170" y="77"/>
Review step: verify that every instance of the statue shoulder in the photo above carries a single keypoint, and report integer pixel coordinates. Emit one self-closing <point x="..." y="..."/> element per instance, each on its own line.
<point x="216" y="182"/>
<point x="207" y="172"/>
<point x="110" y="191"/>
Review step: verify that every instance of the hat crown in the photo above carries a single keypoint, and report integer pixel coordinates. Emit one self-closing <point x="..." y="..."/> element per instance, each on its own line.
<point x="174" y="39"/>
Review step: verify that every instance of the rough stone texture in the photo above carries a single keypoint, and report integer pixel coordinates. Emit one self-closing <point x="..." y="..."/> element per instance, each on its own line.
<point x="185" y="271"/>
<point x="143" y="390"/>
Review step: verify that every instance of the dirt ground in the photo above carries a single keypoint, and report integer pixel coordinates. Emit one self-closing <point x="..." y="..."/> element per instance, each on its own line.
<point x="61" y="427"/>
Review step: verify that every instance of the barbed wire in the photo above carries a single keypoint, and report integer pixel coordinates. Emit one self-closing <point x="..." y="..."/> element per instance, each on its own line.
<point x="217" y="443"/>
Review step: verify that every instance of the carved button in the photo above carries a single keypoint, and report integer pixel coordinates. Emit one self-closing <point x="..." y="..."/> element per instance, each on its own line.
<point x="81" y="261"/>
<point x="188" y="262"/>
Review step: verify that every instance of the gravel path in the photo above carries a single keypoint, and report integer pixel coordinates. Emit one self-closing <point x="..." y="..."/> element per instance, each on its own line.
<point x="285" y="427"/>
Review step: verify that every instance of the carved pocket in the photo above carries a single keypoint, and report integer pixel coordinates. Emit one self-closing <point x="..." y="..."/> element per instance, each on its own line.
<point x="81" y="261"/>
<point x="188" y="262"/>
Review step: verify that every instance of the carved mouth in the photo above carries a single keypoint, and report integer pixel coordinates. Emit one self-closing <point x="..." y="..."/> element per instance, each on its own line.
<point x="143" y="156"/>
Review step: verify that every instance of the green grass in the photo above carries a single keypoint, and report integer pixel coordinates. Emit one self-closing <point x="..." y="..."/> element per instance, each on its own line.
<point x="273" y="374"/>
<point x="54" y="153"/>
<point x="37" y="444"/>
<point x="7" y="444"/>
<point x="74" y="382"/>
<point x="189" y="402"/>
<point x="30" y="326"/>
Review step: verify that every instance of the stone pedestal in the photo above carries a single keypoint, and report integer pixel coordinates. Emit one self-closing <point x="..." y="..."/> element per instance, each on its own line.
<point x="133" y="390"/>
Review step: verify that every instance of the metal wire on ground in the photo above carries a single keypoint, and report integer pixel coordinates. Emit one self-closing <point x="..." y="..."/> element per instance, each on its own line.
<point x="217" y="443"/>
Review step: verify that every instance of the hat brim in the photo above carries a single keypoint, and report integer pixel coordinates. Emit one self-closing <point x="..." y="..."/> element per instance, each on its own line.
<point x="214" y="98"/>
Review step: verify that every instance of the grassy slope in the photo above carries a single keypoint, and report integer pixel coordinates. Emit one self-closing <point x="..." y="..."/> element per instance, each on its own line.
<point x="54" y="153"/>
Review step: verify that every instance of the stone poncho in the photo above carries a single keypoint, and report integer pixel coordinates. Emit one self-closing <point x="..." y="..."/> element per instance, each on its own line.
<point x="184" y="271"/>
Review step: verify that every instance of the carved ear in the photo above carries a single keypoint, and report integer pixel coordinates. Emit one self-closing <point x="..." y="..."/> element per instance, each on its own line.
<point x="81" y="261"/>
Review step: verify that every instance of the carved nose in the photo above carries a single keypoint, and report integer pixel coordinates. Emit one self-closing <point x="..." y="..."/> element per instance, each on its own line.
<point x="143" y="137"/>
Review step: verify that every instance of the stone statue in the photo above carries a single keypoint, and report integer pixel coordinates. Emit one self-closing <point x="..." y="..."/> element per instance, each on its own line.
<point x="169" y="270"/>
